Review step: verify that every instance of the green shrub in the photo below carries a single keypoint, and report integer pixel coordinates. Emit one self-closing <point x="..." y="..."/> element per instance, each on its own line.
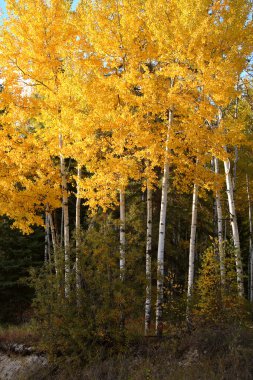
<point x="215" y="301"/>
<point x="88" y="323"/>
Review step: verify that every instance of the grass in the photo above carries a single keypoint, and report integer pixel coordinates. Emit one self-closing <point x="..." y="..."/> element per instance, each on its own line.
<point x="18" y="334"/>
<point x="209" y="352"/>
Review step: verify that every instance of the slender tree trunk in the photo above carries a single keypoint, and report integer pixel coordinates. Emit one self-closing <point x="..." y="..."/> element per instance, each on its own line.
<point x="233" y="219"/>
<point x="148" y="261"/>
<point x="236" y="148"/>
<point x="161" y="239"/>
<point x="192" y="249"/>
<point x="220" y="226"/>
<point x="122" y="234"/>
<point x="53" y="232"/>
<point x="215" y="217"/>
<point x="54" y="241"/>
<point x="55" y="228"/>
<point x="235" y="167"/>
<point x="234" y="225"/>
<point x="65" y="220"/>
<point x="250" y="243"/>
<point x="122" y="263"/>
<point x="78" y="231"/>
<point x="47" y="253"/>
<point x="62" y="228"/>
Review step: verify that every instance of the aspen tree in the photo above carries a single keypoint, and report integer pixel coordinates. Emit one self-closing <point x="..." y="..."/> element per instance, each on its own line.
<point x="148" y="261"/>
<point x="116" y="102"/>
<point x="78" y="230"/>
<point x="232" y="210"/>
<point x="54" y="242"/>
<point x="162" y="225"/>
<point x="65" y="209"/>
<point x="40" y="63"/>
<point x="220" y="225"/>
<point x="234" y="226"/>
<point x="192" y="250"/>
<point x="122" y="234"/>
<point x="28" y="188"/>
<point x="205" y="72"/>
<point x="250" y="242"/>
<point x="68" y="60"/>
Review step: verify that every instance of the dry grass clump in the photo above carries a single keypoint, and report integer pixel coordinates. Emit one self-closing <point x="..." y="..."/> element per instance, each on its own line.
<point x="20" y="334"/>
<point x="210" y="352"/>
<point x="223" y="353"/>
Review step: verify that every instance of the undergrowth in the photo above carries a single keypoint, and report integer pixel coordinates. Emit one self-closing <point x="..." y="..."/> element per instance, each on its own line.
<point x="220" y="352"/>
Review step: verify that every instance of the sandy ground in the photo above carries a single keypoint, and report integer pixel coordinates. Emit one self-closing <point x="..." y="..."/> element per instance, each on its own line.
<point x="17" y="367"/>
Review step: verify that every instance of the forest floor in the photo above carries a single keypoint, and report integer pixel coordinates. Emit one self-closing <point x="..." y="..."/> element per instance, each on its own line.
<point x="209" y="353"/>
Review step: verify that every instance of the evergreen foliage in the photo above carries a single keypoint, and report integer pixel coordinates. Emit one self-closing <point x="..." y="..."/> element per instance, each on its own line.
<point x="87" y="322"/>
<point x="18" y="253"/>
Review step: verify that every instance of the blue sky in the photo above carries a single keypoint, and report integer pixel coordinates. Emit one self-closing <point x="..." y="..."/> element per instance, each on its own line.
<point x="2" y="6"/>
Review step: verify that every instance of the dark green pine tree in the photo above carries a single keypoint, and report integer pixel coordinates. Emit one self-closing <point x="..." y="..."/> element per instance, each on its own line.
<point x="18" y="253"/>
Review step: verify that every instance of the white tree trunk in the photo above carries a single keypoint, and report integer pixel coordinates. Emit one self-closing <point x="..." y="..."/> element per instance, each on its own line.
<point x="236" y="148"/>
<point x="122" y="234"/>
<point x="148" y="262"/>
<point x="65" y="220"/>
<point x="192" y="248"/>
<point x="234" y="225"/>
<point x="161" y="239"/>
<point x="78" y="230"/>
<point x="220" y="226"/>
<point x="250" y="243"/>
<point x="54" y="241"/>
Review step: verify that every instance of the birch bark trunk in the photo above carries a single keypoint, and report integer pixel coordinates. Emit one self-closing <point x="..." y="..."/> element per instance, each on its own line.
<point x="78" y="231"/>
<point x="192" y="248"/>
<point x="148" y="261"/>
<point x="65" y="219"/>
<point x="161" y="239"/>
<point x="250" y="243"/>
<point x="236" y="148"/>
<point x="122" y="234"/>
<point x="122" y="263"/>
<point x="220" y="226"/>
<point x="234" y="226"/>
<point x="54" y="241"/>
